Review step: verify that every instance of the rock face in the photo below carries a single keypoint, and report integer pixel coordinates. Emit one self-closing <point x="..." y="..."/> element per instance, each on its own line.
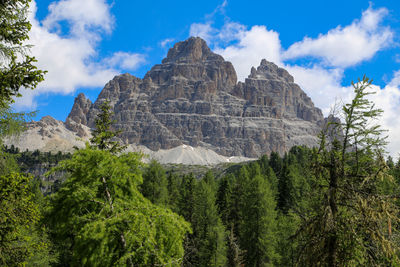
<point x="49" y="135"/>
<point x="193" y="98"/>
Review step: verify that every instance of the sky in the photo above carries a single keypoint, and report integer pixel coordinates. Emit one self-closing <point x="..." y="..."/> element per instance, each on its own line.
<point x="324" y="44"/>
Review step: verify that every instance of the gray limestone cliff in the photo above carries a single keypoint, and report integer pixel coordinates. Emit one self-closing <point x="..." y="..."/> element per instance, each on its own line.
<point x="193" y="98"/>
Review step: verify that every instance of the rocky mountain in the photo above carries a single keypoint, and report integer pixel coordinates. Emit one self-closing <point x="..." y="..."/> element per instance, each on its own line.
<point x="193" y="99"/>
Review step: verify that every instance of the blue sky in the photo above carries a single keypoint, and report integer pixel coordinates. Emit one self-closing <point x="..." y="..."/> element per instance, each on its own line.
<point x="323" y="44"/>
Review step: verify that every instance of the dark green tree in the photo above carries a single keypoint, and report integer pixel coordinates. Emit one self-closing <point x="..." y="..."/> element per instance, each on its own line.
<point x="209" y="237"/>
<point x="155" y="184"/>
<point x="258" y="236"/>
<point x="103" y="136"/>
<point x="174" y="185"/>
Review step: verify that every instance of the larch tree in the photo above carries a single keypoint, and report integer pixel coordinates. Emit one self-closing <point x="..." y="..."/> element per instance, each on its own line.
<point x="350" y="220"/>
<point x="100" y="218"/>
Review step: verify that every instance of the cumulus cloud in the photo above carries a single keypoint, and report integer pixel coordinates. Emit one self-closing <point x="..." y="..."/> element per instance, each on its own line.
<point x="322" y="85"/>
<point x="388" y="99"/>
<point x="254" y="45"/>
<point x="83" y="16"/>
<point x="347" y="46"/>
<point x="127" y="61"/>
<point x="71" y="58"/>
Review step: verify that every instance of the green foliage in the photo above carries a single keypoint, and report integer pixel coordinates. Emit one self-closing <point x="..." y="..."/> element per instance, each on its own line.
<point x="16" y="68"/>
<point x="103" y="135"/>
<point x="99" y="217"/>
<point x="258" y="232"/>
<point x="155" y="184"/>
<point x="18" y="215"/>
<point x="174" y="183"/>
<point x="208" y="242"/>
<point x="349" y="221"/>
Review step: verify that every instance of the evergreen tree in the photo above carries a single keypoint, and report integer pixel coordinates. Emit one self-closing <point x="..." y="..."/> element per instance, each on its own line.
<point x="349" y="223"/>
<point x="174" y="184"/>
<point x="155" y="184"/>
<point x="258" y="232"/>
<point x="186" y="198"/>
<point x="234" y="252"/>
<point x="209" y="237"/>
<point x="103" y="136"/>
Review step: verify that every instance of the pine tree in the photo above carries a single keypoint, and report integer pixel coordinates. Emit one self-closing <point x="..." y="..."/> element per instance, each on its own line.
<point x="103" y="136"/>
<point x="174" y="184"/>
<point x="258" y="231"/>
<point x="155" y="184"/>
<point x="209" y="237"/>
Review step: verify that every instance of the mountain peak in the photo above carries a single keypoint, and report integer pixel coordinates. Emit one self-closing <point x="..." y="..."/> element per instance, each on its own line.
<point x="193" y="49"/>
<point x="269" y="70"/>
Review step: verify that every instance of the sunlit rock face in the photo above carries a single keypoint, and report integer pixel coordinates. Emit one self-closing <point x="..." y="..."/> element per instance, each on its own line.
<point x="193" y="98"/>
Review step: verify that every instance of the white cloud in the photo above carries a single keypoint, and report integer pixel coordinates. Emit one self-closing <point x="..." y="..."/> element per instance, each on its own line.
<point x="83" y="16"/>
<point x="322" y="85"/>
<point x="253" y="45"/>
<point x="165" y="42"/>
<point x="203" y="30"/>
<point x="348" y="46"/>
<point x="127" y="61"/>
<point x="388" y="99"/>
<point x="340" y="48"/>
<point x="72" y="59"/>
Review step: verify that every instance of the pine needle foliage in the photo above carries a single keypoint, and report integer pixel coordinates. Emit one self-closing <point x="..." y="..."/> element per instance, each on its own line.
<point x="103" y="136"/>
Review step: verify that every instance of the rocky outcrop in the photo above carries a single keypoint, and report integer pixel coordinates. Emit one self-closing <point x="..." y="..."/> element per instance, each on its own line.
<point x="48" y="135"/>
<point x="191" y="107"/>
<point x="193" y="98"/>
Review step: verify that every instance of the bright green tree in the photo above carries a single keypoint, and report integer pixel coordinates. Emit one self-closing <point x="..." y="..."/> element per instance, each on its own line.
<point x="350" y="220"/>
<point x="18" y="213"/>
<point x="102" y="219"/>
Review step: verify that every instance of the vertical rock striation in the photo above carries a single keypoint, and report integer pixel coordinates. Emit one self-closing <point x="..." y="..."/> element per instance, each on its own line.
<point x="193" y="98"/>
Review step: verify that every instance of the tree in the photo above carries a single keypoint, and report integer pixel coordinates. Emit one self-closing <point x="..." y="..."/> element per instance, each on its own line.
<point x="155" y="184"/>
<point x="101" y="219"/>
<point x="258" y="231"/>
<point x="18" y="212"/>
<point x="209" y="237"/>
<point x="103" y="135"/>
<point x="350" y="220"/>
<point x="16" y="67"/>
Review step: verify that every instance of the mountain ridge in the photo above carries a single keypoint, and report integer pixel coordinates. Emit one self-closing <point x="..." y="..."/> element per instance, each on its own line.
<point x="193" y="98"/>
